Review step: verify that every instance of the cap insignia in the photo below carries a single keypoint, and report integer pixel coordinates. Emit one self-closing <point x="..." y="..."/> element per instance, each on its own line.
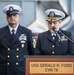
<point x="51" y="14"/>
<point x="10" y="8"/>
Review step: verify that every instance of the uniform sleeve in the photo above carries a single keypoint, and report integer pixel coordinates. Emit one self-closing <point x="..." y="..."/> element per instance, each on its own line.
<point x="38" y="46"/>
<point x="30" y="44"/>
<point x="71" y="45"/>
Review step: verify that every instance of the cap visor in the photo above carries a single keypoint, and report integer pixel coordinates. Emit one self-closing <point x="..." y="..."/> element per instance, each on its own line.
<point x="13" y="13"/>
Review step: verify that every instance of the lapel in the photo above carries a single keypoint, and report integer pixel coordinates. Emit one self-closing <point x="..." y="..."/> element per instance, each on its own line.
<point x="19" y="31"/>
<point x="7" y="33"/>
<point x="16" y="37"/>
<point x="48" y="36"/>
<point x="56" y="38"/>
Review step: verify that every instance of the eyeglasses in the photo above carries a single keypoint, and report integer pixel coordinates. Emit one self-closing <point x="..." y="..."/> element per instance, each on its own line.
<point x="54" y="22"/>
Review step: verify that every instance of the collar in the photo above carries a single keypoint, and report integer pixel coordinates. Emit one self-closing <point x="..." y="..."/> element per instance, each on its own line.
<point x="53" y="34"/>
<point x="10" y="28"/>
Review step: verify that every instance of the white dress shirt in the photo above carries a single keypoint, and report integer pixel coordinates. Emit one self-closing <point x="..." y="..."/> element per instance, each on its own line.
<point x="10" y="28"/>
<point x="53" y="36"/>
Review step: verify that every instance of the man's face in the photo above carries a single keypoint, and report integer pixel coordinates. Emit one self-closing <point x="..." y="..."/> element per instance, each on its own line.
<point x="57" y="24"/>
<point x="35" y="35"/>
<point x="13" y="19"/>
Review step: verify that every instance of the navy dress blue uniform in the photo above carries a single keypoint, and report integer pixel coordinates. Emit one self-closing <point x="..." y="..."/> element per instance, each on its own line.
<point x="61" y="45"/>
<point x="47" y="46"/>
<point x="13" y="51"/>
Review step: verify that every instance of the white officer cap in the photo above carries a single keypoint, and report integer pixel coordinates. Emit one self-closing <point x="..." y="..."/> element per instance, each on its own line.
<point x="12" y="9"/>
<point x="54" y="15"/>
<point x="37" y="30"/>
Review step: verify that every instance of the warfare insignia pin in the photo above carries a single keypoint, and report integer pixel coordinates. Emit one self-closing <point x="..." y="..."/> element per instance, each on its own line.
<point x="63" y="38"/>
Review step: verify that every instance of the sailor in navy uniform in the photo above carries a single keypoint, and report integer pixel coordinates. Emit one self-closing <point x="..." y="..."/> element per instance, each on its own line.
<point x="15" y="43"/>
<point x="36" y="32"/>
<point x="49" y="43"/>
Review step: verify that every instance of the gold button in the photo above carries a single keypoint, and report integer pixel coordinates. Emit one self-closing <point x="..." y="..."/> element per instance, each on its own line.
<point x="17" y="49"/>
<point x="8" y="49"/>
<point x="16" y="63"/>
<point x="53" y="46"/>
<point x="22" y="45"/>
<point x="8" y="56"/>
<point x="17" y="56"/>
<point x="8" y="63"/>
<point x="53" y="52"/>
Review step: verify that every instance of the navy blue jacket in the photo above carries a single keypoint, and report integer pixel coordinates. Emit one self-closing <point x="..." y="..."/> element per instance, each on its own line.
<point x="47" y="46"/>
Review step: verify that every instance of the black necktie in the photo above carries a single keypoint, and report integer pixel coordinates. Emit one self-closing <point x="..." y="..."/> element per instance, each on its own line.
<point x="13" y="33"/>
